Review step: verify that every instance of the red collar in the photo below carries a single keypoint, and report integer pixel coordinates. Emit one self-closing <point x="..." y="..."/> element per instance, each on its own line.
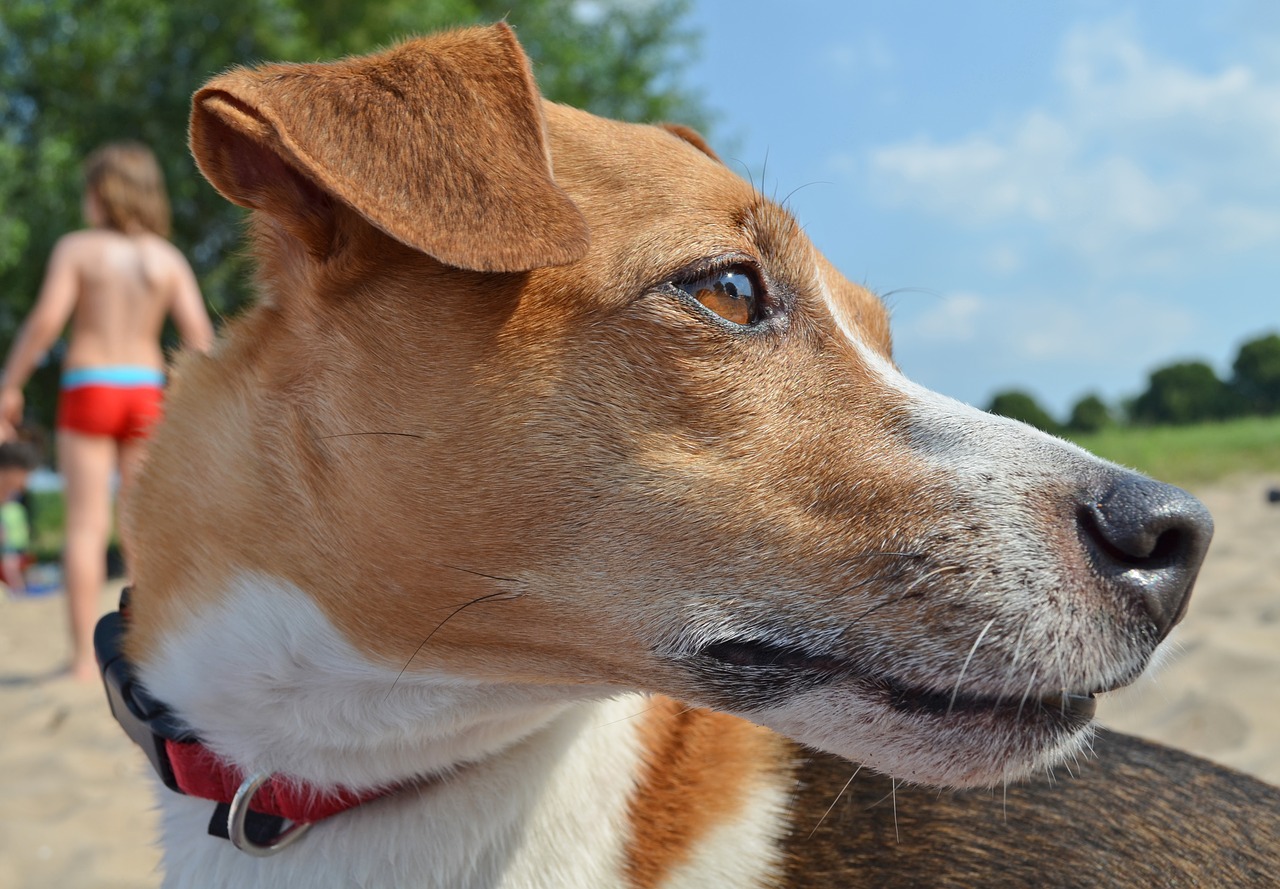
<point x="185" y="765"/>
<point x="199" y="772"/>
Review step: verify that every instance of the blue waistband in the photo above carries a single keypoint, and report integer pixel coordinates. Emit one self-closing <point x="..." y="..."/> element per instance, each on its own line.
<point x="121" y="375"/>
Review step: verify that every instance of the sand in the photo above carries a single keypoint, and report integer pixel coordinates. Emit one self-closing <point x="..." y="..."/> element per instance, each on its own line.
<point x="76" y="809"/>
<point x="1218" y="693"/>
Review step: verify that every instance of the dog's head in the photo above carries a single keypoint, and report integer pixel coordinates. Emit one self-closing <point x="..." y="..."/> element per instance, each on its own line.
<point x="538" y="397"/>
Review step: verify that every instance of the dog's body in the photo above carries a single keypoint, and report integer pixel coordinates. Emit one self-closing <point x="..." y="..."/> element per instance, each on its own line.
<point x="508" y="461"/>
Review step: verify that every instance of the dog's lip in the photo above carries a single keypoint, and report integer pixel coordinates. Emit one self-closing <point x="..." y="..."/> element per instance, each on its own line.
<point x="1066" y="705"/>
<point x="1070" y="706"/>
<point x="755" y="653"/>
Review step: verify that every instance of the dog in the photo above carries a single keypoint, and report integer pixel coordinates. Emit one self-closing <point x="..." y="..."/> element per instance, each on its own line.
<point x="559" y="518"/>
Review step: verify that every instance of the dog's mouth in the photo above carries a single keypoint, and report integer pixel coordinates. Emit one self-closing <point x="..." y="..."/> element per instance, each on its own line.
<point x="1069" y="706"/>
<point x="785" y="668"/>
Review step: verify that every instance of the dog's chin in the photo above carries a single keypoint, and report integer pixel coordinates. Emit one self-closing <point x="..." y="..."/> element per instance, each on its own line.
<point x="919" y="733"/>
<point x="925" y="738"/>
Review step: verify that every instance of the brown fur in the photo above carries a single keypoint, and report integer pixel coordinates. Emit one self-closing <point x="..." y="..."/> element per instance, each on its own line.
<point x="1133" y="814"/>
<point x="307" y="432"/>
<point x="464" y="412"/>
<point x="266" y="138"/>
<point x="700" y="768"/>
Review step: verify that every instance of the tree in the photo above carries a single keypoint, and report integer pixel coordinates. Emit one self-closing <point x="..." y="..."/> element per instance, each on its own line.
<point x="1021" y="406"/>
<point x="1183" y="393"/>
<point x="1257" y="374"/>
<point x="1090" y="414"/>
<point x="77" y="73"/>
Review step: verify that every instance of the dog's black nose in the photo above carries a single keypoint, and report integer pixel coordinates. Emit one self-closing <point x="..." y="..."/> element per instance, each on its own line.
<point x="1149" y="538"/>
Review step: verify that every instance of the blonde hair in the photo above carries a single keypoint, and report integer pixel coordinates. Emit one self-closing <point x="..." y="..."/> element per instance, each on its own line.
<point x="125" y="179"/>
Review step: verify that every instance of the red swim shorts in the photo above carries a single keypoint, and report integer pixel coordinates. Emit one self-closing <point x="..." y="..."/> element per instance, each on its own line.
<point x="97" y="407"/>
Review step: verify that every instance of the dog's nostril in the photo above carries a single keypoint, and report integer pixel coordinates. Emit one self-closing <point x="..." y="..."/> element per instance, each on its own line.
<point x="1140" y="545"/>
<point x="1148" y="538"/>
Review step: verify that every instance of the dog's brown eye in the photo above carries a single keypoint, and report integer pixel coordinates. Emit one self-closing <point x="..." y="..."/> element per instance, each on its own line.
<point x="732" y="294"/>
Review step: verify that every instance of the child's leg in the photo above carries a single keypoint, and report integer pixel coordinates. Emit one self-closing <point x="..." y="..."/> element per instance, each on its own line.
<point x="86" y="463"/>
<point x="11" y="572"/>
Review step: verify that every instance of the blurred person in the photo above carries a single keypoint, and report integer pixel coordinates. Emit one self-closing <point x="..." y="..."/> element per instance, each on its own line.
<point x="18" y="459"/>
<point x="115" y="283"/>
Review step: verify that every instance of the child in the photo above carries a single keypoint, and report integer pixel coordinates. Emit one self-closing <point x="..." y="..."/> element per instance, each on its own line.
<point x="112" y="284"/>
<point x="17" y="460"/>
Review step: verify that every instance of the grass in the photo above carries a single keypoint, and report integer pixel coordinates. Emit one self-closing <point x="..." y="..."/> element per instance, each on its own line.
<point x="47" y="514"/>
<point x="1192" y="455"/>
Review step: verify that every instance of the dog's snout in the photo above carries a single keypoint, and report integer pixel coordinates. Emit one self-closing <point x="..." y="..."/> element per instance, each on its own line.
<point x="1149" y="538"/>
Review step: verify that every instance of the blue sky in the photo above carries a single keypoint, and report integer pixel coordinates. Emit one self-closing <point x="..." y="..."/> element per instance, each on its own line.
<point x="1058" y="197"/>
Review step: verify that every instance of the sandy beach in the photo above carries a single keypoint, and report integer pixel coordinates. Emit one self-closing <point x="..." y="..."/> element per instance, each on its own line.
<point x="76" y="809"/>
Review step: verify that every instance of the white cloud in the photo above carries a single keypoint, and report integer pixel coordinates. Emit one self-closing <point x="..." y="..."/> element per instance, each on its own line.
<point x="969" y="344"/>
<point x="1003" y="259"/>
<point x="868" y="52"/>
<point x="1135" y="160"/>
<point x="956" y="317"/>
<point x="1042" y="327"/>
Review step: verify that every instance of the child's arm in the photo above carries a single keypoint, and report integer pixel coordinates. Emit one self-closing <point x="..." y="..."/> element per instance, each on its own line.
<point x="49" y="315"/>
<point x="188" y="311"/>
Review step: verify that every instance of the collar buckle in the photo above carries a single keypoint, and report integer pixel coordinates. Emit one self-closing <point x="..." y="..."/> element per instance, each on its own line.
<point x="238" y="814"/>
<point x="149" y="723"/>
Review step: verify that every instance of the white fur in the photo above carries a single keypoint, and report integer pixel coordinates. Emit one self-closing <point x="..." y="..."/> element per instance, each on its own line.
<point x="742" y="852"/>
<point x="527" y="789"/>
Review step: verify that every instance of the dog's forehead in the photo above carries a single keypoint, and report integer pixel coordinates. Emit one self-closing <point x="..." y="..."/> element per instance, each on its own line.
<point x="656" y="202"/>
<point x="633" y="177"/>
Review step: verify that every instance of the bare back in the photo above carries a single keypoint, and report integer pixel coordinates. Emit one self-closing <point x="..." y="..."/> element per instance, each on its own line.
<point x="127" y="286"/>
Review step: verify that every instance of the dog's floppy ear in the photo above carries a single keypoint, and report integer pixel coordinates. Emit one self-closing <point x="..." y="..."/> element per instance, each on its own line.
<point x="693" y="137"/>
<point x="439" y="142"/>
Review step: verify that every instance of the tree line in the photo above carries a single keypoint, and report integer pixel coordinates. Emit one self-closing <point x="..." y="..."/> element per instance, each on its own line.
<point x="1182" y="393"/>
<point x="77" y="73"/>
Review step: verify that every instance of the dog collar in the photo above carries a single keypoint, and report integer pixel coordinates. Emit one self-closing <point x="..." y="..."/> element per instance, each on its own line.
<point x="251" y="810"/>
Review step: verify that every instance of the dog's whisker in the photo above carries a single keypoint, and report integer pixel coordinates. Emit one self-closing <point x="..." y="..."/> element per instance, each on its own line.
<point x="834" y="801"/>
<point x="893" y="792"/>
<point x="479" y="573"/>
<point x="1067" y="765"/>
<point x="902" y="595"/>
<point x="875" y="554"/>
<point x="967" y="661"/>
<point x="938" y="572"/>
<point x="884" y="603"/>
<point x="1062" y="666"/>
<point x="787" y="200"/>
<point x="1027" y="693"/>
<point x="491" y="597"/>
<point x="374" y="432"/>
<point x="924" y="291"/>
<point x="1017" y="648"/>
<point x="628" y="717"/>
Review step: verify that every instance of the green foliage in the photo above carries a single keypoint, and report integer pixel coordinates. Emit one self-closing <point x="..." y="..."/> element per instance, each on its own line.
<point x="1194" y="454"/>
<point x="48" y="525"/>
<point x="1182" y="393"/>
<point x="1090" y="414"/>
<point x="77" y="73"/>
<point x="1257" y="374"/>
<point x="1017" y="405"/>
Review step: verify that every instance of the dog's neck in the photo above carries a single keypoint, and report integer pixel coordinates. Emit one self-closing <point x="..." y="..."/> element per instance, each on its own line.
<point x="271" y="686"/>
<point x="267" y="682"/>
